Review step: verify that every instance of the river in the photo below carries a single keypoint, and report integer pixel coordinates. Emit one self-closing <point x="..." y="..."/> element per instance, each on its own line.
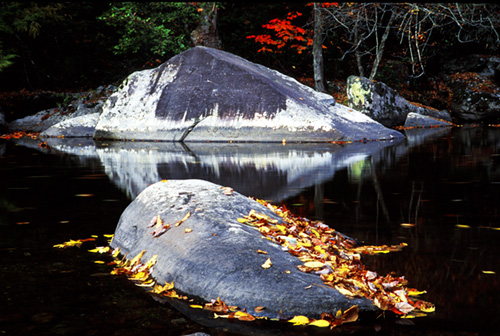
<point x="437" y="190"/>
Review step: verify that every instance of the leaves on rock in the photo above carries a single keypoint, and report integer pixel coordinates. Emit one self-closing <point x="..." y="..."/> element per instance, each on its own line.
<point x="267" y="264"/>
<point x="336" y="259"/>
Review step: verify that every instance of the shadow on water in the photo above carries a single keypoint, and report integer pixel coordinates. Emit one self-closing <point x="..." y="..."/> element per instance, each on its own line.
<point x="436" y="190"/>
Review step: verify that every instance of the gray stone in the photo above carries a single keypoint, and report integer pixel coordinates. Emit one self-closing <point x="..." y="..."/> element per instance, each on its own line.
<point x="384" y="104"/>
<point x="77" y="127"/>
<point x="78" y="107"/>
<point x="219" y="257"/>
<point x="3" y="123"/>
<point x="475" y="99"/>
<point x="418" y="120"/>
<point x="206" y="94"/>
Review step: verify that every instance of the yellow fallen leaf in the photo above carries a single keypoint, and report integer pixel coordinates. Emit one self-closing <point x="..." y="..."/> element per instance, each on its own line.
<point x="69" y="243"/>
<point x="267" y="264"/>
<point x="299" y="320"/>
<point x="100" y="249"/>
<point x="429" y="309"/>
<point x="148" y="283"/>
<point x="183" y="219"/>
<point x="187" y="230"/>
<point x="282" y="228"/>
<point x="116" y="252"/>
<point x="243" y="316"/>
<point x="196" y="306"/>
<point x="99" y="262"/>
<point x="320" y="323"/>
<point x="261" y="252"/>
<point x="137" y="258"/>
<point x="259" y="309"/>
<point x="413" y="292"/>
<point x="314" y="264"/>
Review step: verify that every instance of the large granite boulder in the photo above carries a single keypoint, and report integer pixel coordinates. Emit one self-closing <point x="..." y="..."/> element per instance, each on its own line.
<point x="384" y="104"/>
<point x="206" y="94"/>
<point x="219" y="257"/>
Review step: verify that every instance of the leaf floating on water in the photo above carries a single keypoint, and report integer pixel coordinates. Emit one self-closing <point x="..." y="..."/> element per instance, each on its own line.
<point x="463" y="226"/>
<point x="70" y="243"/>
<point x="320" y="323"/>
<point x="261" y="252"/>
<point x="243" y="316"/>
<point x="267" y="264"/>
<point x="100" y="249"/>
<point x="414" y="292"/>
<point x="187" y="230"/>
<point x="299" y="320"/>
<point x="488" y="272"/>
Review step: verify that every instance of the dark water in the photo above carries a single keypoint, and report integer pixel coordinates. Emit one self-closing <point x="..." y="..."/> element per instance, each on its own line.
<point x="442" y="184"/>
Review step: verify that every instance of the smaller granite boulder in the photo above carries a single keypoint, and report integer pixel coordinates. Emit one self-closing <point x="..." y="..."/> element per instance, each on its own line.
<point x="78" y="127"/>
<point x="417" y="120"/>
<point x="383" y="104"/>
<point x="209" y="254"/>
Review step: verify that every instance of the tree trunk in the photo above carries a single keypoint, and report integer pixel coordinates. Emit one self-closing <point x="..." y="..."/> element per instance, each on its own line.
<point x="380" y="49"/>
<point x="319" y="81"/>
<point x="206" y="33"/>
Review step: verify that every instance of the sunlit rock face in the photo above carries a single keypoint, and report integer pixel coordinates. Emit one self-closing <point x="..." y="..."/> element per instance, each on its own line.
<point x="205" y="94"/>
<point x="384" y="104"/>
<point x="218" y="257"/>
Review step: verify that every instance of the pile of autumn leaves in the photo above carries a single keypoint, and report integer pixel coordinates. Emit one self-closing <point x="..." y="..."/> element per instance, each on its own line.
<point x="334" y="257"/>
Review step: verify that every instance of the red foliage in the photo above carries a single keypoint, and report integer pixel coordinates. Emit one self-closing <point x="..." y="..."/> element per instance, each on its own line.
<point x="284" y="33"/>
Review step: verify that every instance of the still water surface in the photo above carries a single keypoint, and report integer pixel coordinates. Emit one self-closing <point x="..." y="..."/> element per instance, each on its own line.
<point x="437" y="190"/>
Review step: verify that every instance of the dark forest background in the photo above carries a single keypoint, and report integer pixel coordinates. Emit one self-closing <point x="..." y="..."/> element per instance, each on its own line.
<point x="47" y="49"/>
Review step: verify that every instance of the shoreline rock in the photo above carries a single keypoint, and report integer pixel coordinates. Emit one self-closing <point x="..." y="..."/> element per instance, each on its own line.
<point x="383" y="104"/>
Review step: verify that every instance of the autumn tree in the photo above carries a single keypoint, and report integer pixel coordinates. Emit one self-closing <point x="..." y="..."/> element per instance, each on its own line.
<point x="418" y="30"/>
<point x="414" y="32"/>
